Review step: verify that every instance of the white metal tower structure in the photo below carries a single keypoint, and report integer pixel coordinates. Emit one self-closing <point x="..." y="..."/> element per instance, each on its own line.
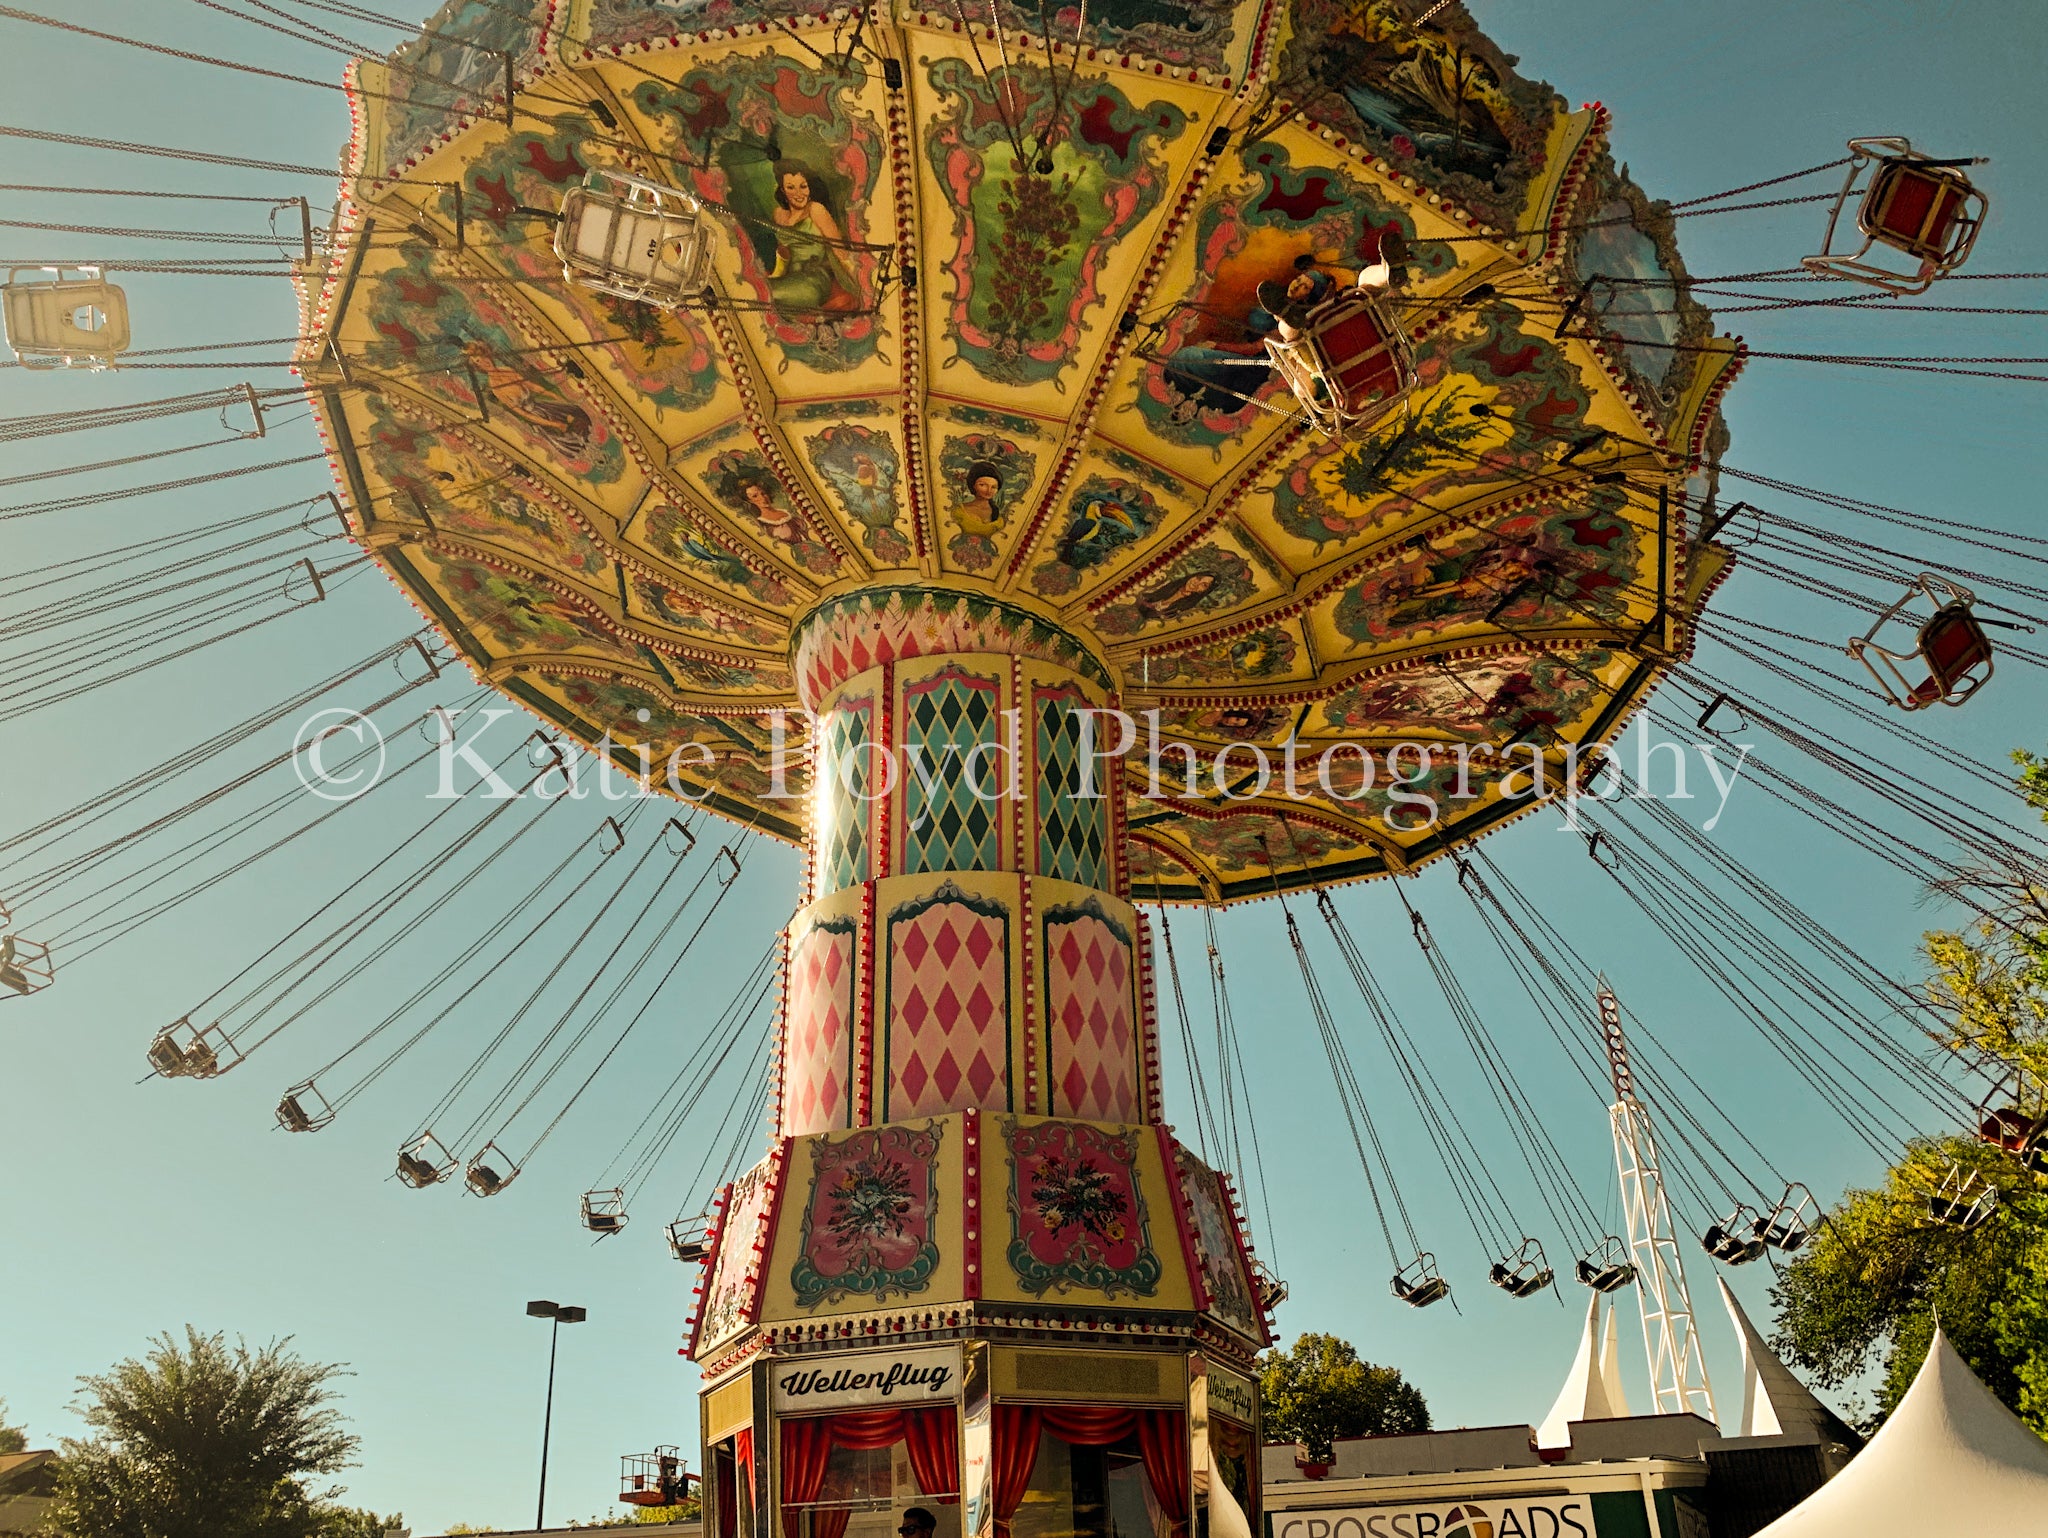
<point x="1678" y="1372"/>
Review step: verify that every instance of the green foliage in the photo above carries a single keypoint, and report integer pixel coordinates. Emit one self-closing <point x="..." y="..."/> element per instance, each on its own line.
<point x="1993" y="982"/>
<point x="13" y="1439"/>
<point x="1318" y="1390"/>
<point x="356" y="1522"/>
<point x="1876" y="1276"/>
<point x="1871" y="1283"/>
<point x="204" y="1440"/>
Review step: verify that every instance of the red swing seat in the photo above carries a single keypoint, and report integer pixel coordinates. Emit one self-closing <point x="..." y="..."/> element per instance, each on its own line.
<point x="1350" y="365"/>
<point x="1950" y="644"/>
<point x="1923" y="208"/>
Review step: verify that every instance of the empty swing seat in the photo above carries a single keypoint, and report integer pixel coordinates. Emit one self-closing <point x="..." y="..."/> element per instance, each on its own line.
<point x="1925" y="209"/>
<point x="1950" y="644"/>
<point x="635" y="239"/>
<point x="66" y="317"/>
<point x="690" y="1239"/>
<point x="1954" y="646"/>
<point x="2008" y="1128"/>
<point x="604" y="1212"/>
<point x="1916" y="208"/>
<point x="1349" y="365"/>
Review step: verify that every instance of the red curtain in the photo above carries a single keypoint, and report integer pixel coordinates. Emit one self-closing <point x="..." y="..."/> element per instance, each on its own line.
<point x="807" y="1442"/>
<point x="1090" y="1425"/>
<point x="728" y="1510"/>
<point x="1016" y="1430"/>
<point x="1163" y="1440"/>
<point x="806" y="1447"/>
<point x="934" y="1442"/>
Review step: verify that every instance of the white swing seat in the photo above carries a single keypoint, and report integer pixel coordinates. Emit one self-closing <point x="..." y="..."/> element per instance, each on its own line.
<point x="64" y="317"/>
<point x="634" y="239"/>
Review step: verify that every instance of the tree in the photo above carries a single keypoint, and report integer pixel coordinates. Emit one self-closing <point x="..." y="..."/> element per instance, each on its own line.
<point x="1872" y="1282"/>
<point x="204" y="1440"/>
<point x="13" y="1439"/>
<point x="356" y="1522"/>
<point x="1878" y="1273"/>
<point x="1318" y="1389"/>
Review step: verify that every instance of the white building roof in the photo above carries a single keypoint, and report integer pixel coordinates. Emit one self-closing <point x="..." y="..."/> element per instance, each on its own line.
<point x="1774" y="1403"/>
<point x="1592" y="1389"/>
<point x="1951" y="1459"/>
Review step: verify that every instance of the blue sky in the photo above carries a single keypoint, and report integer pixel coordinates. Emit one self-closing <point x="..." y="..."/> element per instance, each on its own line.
<point x="132" y="1208"/>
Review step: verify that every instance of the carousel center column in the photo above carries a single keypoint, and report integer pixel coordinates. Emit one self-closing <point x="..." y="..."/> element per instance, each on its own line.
<point x="973" y="1276"/>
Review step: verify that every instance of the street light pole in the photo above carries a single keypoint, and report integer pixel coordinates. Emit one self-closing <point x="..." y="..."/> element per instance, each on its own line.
<point x="557" y="1315"/>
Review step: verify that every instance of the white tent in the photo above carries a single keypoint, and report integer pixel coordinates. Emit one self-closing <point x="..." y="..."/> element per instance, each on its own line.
<point x="1774" y="1403"/>
<point x="1951" y="1459"/>
<point x="1592" y="1389"/>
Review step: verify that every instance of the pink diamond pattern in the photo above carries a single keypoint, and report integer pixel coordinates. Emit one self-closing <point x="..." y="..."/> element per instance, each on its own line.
<point x="1089" y="1020"/>
<point x="948" y="1027"/>
<point x="815" y="1088"/>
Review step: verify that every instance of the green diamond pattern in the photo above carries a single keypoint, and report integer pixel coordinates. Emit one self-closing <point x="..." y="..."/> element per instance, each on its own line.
<point x="846" y="760"/>
<point x="1072" y="831"/>
<point x="949" y="827"/>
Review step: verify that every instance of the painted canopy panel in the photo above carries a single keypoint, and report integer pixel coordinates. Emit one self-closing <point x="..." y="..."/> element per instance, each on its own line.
<point x="992" y="318"/>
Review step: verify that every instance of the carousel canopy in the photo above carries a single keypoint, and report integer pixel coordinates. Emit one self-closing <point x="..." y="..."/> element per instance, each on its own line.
<point x="952" y="318"/>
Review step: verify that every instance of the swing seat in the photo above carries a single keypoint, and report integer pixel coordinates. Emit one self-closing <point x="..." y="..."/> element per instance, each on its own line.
<point x="1737" y="1239"/>
<point x="689" y="1240"/>
<point x="1611" y="1277"/>
<point x="417" y="1172"/>
<point x="1419" y="1284"/>
<point x="304" y="1109"/>
<point x="1423" y="1293"/>
<point x="2008" y="1128"/>
<point x="1956" y="1212"/>
<point x="1518" y="1284"/>
<point x="182" y="1050"/>
<point x="1523" y="1273"/>
<point x="1925" y="209"/>
<point x="424" y="1162"/>
<point x="24" y="965"/>
<point x="634" y="239"/>
<point x="1350" y="365"/>
<point x="1788" y="1225"/>
<point x="1271" y="1290"/>
<point x="484" y="1177"/>
<point x="1954" y="646"/>
<point x="1918" y="209"/>
<point x="1950" y="644"/>
<point x="67" y="317"/>
<point x="604" y="1212"/>
<point x="1606" y="1267"/>
<point x="1732" y="1249"/>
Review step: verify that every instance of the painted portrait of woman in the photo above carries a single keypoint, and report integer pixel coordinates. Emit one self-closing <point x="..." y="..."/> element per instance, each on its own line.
<point x="754" y="491"/>
<point x="982" y="510"/>
<point x="808" y="272"/>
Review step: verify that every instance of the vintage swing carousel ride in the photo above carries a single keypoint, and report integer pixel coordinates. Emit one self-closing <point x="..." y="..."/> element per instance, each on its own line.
<point x="960" y="377"/>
